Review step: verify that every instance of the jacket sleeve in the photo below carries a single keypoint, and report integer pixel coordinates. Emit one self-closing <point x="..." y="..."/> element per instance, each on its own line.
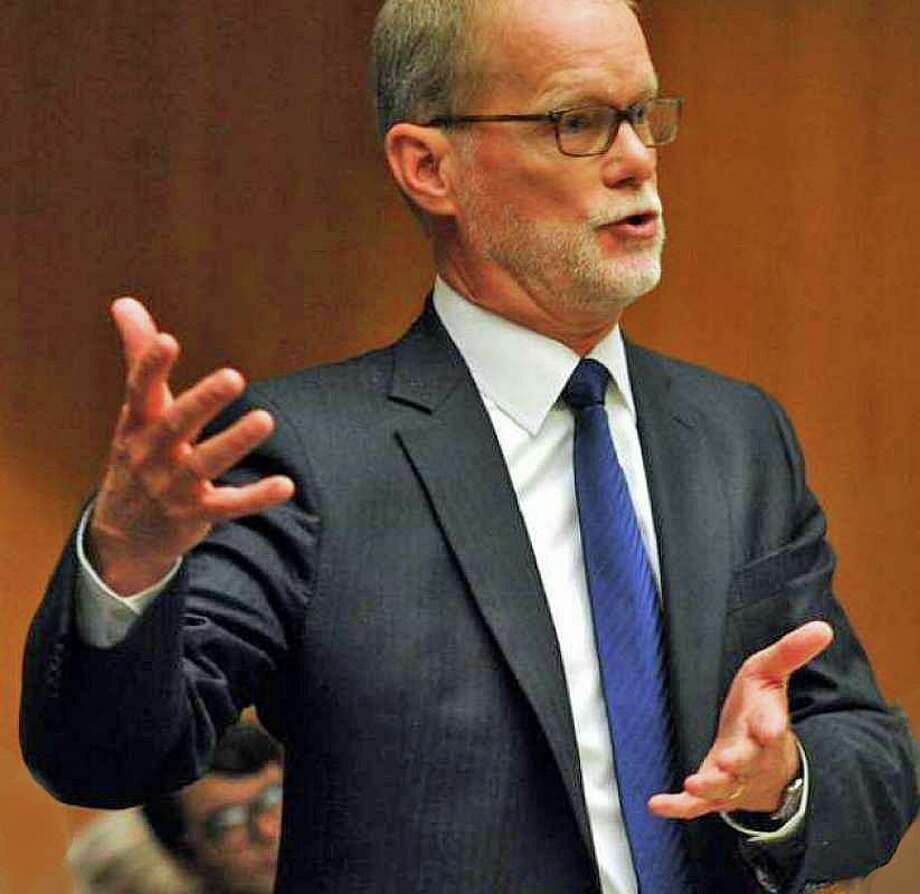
<point x="109" y="727"/>
<point x="863" y="793"/>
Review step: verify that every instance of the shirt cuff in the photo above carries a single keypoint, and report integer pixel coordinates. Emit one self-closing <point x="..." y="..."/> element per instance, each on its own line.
<point x="790" y="827"/>
<point x="103" y="618"/>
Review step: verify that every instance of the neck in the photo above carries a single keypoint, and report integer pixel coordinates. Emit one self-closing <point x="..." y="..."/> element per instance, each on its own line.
<point x="496" y="290"/>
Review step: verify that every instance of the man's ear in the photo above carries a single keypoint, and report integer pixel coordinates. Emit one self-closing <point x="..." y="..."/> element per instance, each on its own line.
<point x="420" y="159"/>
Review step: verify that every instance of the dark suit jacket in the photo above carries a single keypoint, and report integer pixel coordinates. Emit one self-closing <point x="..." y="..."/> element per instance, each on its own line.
<point x="390" y="625"/>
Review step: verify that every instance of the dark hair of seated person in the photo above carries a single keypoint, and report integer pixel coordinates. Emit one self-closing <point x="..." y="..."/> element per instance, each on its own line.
<point x="243" y="750"/>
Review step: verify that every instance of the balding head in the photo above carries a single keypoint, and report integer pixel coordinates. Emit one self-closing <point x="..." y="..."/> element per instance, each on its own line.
<point x="430" y="57"/>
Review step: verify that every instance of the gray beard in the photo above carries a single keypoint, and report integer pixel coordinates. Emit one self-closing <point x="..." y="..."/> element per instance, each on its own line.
<point x="562" y="262"/>
<point x="566" y="262"/>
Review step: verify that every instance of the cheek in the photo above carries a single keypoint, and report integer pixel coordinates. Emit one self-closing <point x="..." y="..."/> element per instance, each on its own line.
<point x="572" y="192"/>
<point x="539" y="184"/>
<point x="562" y="199"/>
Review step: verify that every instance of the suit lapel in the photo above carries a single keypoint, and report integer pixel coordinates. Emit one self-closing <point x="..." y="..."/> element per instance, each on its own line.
<point x="691" y="520"/>
<point x="455" y="453"/>
<point x="453" y="449"/>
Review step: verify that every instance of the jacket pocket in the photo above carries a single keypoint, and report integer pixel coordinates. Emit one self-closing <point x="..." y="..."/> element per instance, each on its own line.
<point x="774" y="594"/>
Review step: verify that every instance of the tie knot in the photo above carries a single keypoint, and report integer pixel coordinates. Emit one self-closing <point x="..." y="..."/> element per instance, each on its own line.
<point x="586" y="385"/>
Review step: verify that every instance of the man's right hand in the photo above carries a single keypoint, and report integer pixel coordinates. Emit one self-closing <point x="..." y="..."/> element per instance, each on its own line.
<point x="157" y="499"/>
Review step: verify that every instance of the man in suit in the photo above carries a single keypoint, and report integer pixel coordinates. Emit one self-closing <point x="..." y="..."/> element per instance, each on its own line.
<point x="394" y="558"/>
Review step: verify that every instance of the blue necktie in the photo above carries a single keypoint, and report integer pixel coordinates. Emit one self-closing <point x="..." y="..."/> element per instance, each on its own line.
<point x="627" y="630"/>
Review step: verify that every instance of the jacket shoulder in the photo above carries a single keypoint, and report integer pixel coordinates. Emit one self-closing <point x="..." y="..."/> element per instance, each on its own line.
<point x="708" y="394"/>
<point x="329" y="385"/>
<point x="737" y="418"/>
<point x="690" y="377"/>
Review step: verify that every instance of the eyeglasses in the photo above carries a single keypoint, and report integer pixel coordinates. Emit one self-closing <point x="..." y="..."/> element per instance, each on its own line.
<point x="239" y="822"/>
<point x="591" y="130"/>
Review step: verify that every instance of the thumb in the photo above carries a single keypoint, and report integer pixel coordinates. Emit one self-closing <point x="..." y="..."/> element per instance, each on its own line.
<point x="784" y="657"/>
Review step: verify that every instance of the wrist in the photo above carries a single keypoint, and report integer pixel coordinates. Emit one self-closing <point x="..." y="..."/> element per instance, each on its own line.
<point x="118" y="564"/>
<point x="794" y="770"/>
<point x="790" y="801"/>
<point x="786" y="821"/>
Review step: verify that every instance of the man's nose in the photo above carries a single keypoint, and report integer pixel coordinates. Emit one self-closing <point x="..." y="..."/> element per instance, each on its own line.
<point x="629" y="162"/>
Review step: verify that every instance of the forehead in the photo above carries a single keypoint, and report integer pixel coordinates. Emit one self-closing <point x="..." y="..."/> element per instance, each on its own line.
<point x="546" y="51"/>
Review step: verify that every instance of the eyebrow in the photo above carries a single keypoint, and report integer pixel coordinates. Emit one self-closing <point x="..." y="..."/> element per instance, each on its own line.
<point x="569" y="98"/>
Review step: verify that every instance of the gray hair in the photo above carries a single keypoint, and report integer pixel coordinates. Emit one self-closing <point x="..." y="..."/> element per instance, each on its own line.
<point x="421" y="56"/>
<point x="426" y="57"/>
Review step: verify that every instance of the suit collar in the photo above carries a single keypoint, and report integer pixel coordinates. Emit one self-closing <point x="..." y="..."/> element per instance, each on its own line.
<point x="522" y="371"/>
<point x="427" y="366"/>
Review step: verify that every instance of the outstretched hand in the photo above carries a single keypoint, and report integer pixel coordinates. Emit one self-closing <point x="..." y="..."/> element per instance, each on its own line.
<point x="157" y="499"/>
<point x="755" y="753"/>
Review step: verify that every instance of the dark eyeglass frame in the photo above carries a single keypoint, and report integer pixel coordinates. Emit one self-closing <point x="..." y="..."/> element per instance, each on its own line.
<point x="216" y="826"/>
<point x="633" y="114"/>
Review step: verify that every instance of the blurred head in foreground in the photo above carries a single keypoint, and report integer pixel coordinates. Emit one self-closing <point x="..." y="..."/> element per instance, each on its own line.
<point x="224" y="829"/>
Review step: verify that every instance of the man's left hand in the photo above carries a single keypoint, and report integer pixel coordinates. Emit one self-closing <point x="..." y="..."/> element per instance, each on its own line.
<point x="755" y="754"/>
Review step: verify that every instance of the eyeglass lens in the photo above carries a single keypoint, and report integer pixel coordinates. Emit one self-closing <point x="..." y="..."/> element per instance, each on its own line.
<point x="591" y="130"/>
<point x="235" y="819"/>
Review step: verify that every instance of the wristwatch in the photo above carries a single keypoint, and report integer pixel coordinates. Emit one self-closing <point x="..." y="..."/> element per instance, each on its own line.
<point x="792" y="799"/>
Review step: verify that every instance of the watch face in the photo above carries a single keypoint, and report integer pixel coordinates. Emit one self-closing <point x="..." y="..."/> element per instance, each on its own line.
<point x="792" y="797"/>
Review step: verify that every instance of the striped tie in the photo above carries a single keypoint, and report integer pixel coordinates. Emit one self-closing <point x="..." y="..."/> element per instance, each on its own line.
<point x="627" y="630"/>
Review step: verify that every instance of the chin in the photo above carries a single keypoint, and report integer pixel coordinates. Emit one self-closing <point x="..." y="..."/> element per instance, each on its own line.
<point x="619" y="285"/>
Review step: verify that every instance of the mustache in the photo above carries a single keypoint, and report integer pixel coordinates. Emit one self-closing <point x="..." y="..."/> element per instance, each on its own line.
<point x="648" y="203"/>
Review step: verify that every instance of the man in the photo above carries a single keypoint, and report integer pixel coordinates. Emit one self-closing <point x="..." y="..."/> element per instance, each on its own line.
<point x="224" y="828"/>
<point x="452" y="617"/>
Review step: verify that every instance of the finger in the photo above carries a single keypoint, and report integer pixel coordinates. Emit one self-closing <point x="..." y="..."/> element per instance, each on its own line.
<point x="781" y="659"/>
<point x="148" y="379"/>
<point x="730" y="761"/>
<point x="194" y="408"/>
<point x="739" y="757"/>
<point x="225" y="503"/>
<point x="759" y="716"/>
<point x="215" y="456"/>
<point x="684" y="806"/>
<point x="724" y="768"/>
<point x="136" y="327"/>
<point x="769" y="721"/>
<point x="714" y="785"/>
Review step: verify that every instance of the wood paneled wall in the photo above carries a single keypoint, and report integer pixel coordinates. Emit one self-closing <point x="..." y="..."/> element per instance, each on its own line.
<point x="218" y="159"/>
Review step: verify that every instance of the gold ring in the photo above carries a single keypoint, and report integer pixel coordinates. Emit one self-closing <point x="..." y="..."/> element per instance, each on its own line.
<point x="737" y="792"/>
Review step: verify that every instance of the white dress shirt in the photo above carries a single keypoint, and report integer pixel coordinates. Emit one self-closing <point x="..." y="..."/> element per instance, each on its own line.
<point x="520" y="375"/>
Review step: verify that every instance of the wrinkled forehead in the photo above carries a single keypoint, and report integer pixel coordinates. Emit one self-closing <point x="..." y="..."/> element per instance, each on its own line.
<point x="544" y="50"/>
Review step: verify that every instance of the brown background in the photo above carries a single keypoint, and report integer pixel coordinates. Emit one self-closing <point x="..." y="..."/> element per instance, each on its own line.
<point x="218" y="159"/>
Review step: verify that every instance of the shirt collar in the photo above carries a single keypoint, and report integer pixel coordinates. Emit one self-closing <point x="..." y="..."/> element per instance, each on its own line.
<point x="522" y="371"/>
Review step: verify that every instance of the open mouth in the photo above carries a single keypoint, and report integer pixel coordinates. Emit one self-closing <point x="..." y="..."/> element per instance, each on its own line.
<point x="637" y="220"/>
<point x="642" y="225"/>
